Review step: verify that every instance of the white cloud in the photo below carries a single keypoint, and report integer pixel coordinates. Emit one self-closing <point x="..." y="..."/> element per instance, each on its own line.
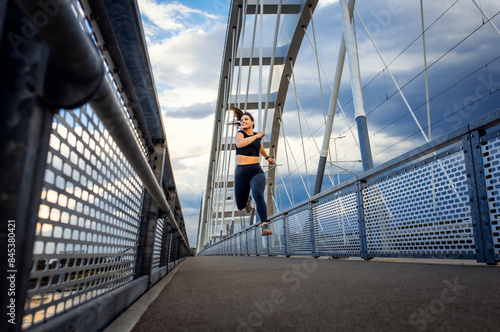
<point x="173" y="17"/>
<point x="325" y="3"/>
<point x="189" y="64"/>
<point x="185" y="47"/>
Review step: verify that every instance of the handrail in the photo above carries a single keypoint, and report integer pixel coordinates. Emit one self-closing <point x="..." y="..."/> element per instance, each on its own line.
<point x="82" y="65"/>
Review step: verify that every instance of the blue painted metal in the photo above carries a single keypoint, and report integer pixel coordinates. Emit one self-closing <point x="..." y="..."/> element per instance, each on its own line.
<point x="364" y="143"/>
<point x="268" y="245"/>
<point x="311" y="223"/>
<point x="361" y="221"/>
<point x="483" y="225"/>
<point x="319" y="175"/>
<point x="255" y="238"/>
<point x="285" y="215"/>
<point x="474" y="201"/>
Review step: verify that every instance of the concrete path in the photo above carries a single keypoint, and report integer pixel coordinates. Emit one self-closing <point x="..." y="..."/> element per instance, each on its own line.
<point x="304" y="294"/>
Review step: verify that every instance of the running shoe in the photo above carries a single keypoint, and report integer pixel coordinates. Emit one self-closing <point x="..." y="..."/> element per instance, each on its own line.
<point x="248" y="208"/>
<point x="265" y="230"/>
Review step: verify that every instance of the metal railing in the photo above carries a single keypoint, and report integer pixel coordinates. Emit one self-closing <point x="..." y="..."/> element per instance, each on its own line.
<point x="94" y="210"/>
<point x="439" y="200"/>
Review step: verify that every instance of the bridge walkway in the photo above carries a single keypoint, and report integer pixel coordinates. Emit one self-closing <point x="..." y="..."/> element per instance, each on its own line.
<point x="222" y="293"/>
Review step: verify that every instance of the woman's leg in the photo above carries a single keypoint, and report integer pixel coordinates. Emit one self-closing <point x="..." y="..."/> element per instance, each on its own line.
<point x="241" y="187"/>
<point x="258" y="184"/>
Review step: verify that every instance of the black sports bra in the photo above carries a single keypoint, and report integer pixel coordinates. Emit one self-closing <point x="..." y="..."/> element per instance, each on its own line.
<point x="251" y="149"/>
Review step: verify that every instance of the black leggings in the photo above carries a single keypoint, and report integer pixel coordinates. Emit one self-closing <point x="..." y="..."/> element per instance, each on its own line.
<point x="248" y="177"/>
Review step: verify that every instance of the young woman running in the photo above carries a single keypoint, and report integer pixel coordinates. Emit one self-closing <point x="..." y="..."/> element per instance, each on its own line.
<point x="249" y="174"/>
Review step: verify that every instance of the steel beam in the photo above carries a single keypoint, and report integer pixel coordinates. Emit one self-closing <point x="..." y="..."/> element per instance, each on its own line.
<point x="271" y="7"/>
<point x="331" y="110"/>
<point x="359" y="110"/>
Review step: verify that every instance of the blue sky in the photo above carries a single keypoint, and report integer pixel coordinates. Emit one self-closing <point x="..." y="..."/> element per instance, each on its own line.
<point x="186" y="40"/>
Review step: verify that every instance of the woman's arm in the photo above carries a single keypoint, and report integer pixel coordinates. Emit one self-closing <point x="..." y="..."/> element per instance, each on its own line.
<point x="241" y="141"/>
<point x="265" y="155"/>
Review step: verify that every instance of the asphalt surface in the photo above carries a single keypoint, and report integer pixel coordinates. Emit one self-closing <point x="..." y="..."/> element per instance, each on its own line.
<point x="304" y="294"/>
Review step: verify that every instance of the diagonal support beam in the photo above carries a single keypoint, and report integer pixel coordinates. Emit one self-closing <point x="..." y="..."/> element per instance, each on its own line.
<point x="271" y="7"/>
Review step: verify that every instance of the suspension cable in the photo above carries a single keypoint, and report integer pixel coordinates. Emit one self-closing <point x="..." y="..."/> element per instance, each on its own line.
<point x="300" y="128"/>
<point x="392" y="76"/>
<point x="250" y="65"/>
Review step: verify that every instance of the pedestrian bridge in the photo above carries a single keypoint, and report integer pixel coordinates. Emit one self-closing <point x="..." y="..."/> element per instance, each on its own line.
<point x="304" y="294"/>
<point x="93" y="232"/>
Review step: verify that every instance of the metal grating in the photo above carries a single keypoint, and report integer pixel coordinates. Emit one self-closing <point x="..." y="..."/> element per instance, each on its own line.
<point x="421" y="212"/>
<point x="157" y="249"/>
<point x="298" y="232"/>
<point x="336" y="228"/>
<point x="237" y="242"/>
<point x="244" y="243"/>
<point x="277" y="239"/>
<point x="491" y="161"/>
<point x="251" y="241"/>
<point x="88" y="220"/>
<point x="82" y="12"/>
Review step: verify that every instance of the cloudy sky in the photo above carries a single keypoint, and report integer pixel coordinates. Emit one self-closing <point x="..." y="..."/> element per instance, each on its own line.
<point x="186" y="39"/>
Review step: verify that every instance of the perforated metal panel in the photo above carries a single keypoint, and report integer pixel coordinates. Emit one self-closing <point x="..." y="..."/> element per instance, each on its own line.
<point x="82" y="12"/>
<point x="244" y="243"/>
<point x="491" y="160"/>
<point x="421" y="211"/>
<point x="88" y="220"/>
<point x="251" y="242"/>
<point x="277" y="239"/>
<point x="298" y="231"/>
<point x="336" y="228"/>
<point x="158" y="242"/>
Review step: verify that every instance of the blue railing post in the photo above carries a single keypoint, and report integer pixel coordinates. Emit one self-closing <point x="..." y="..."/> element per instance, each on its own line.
<point x="311" y="223"/>
<point x="268" y="244"/>
<point x="478" y="198"/>
<point x="246" y="242"/>
<point x="285" y="215"/>
<point x="255" y="238"/>
<point x="241" y="243"/>
<point x="151" y="214"/>
<point x="361" y="221"/>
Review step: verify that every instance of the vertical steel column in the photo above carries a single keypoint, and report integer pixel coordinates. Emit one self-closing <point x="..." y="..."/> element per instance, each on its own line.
<point x="141" y="238"/>
<point x="167" y="231"/>
<point x="360" y="115"/>
<point x="248" y="249"/>
<point x="361" y="221"/>
<point x="285" y="216"/>
<point x="311" y="223"/>
<point x="25" y="127"/>
<point x="268" y="245"/>
<point x="478" y="198"/>
<point x="147" y="232"/>
<point x="331" y="110"/>
<point x="255" y="238"/>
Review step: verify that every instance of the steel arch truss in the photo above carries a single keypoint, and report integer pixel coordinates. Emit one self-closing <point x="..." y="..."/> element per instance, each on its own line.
<point x="289" y="18"/>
